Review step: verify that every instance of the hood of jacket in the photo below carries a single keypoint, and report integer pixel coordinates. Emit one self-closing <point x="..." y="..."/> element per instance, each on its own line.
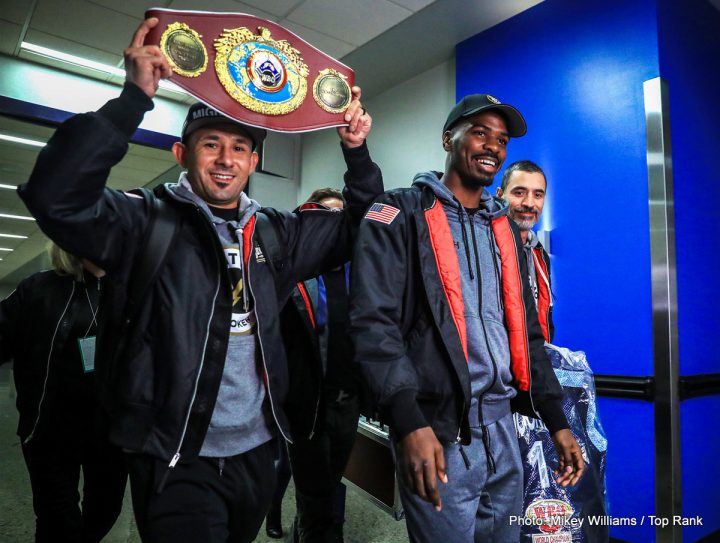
<point x="532" y="240"/>
<point x="490" y="207"/>
<point x="182" y="191"/>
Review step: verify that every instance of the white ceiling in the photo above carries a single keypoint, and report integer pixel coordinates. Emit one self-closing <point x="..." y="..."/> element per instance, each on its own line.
<point x="385" y="41"/>
<point x="100" y="29"/>
<point x="141" y="166"/>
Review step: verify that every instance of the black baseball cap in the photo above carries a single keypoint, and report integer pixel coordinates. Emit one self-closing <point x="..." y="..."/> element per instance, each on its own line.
<point x="475" y="103"/>
<point x="200" y="115"/>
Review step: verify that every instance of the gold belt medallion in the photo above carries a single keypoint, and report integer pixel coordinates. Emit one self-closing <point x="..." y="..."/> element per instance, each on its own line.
<point x="265" y="75"/>
<point x="331" y="91"/>
<point x="184" y="50"/>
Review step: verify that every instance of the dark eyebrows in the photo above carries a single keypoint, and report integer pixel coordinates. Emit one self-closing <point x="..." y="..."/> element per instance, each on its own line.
<point x="480" y="125"/>
<point x="526" y="189"/>
<point x="237" y="138"/>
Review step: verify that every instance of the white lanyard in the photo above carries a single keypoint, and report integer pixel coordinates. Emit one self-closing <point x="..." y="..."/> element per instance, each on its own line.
<point x="93" y="312"/>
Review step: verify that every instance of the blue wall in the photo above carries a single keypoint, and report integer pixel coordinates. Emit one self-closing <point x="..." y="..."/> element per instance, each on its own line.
<point x="576" y="71"/>
<point x="630" y="469"/>
<point x="689" y="61"/>
<point x="700" y="456"/>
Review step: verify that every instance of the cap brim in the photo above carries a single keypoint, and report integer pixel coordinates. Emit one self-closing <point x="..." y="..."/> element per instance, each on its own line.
<point x="256" y="134"/>
<point x="515" y="122"/>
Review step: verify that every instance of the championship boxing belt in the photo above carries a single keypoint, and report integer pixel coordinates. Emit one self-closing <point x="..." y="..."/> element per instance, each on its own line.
<point x="252" y="70"/>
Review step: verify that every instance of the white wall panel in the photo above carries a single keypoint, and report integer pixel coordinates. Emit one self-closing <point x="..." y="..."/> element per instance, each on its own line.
<point x="406" y="134"/>
<point x="60" y="90"/>
<point x="271" y="191"/>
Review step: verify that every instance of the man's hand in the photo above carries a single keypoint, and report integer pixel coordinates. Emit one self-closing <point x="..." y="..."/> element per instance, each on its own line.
<point x="359" y="122"/>
<point x="145" y="65"/>
<point x="572" y="464"/>
<point x="421" y="463"/>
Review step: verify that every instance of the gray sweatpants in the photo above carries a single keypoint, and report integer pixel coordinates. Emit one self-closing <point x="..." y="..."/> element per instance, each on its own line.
<point x="476" y="505"/>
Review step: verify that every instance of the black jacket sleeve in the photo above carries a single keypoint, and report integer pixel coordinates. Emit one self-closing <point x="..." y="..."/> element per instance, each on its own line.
<point x="378" y="289"/>
<point x="10" y="311"/>
<point x="66" y="192"/>
<point x="317" y="239"/>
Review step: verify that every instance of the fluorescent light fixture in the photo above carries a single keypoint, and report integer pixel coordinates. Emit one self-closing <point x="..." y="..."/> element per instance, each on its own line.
<point x="10" y="187"/>
<point x="6" y="249"/>
<point x="13" y="236"/>
<point x="71" y="59"/>
<point x="93" y="65"/>
<point x="19" y="217"/>
<point x="24" y="141"/>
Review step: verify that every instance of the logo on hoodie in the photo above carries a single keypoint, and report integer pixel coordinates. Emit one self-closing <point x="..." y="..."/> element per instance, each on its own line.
<point x="259" y="256"/>
<point x="243" y="319"/>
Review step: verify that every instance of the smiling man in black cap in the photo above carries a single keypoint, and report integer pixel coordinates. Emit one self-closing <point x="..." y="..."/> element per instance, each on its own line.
<point x="446" y="332"/>
<point x="194" y="373"/>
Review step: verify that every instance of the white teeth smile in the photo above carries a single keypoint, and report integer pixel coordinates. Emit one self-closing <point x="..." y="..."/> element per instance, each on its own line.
<point x="222" y="177"/>
<point x="487" y="162"/>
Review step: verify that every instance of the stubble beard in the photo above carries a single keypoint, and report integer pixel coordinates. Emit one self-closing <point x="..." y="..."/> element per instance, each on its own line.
<point x="524" y="224"/>
<point x="476" y="183"/>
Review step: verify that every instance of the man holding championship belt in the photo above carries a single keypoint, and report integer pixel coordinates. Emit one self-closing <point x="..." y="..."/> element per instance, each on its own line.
<point x="194" y="376"/>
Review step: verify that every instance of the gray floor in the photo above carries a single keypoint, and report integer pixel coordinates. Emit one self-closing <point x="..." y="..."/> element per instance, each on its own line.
<point x="365" y="523"/>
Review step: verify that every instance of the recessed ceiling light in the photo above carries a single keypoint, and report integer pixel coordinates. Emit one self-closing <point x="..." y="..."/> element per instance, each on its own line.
<point x="13" y="236"/>
<point x="19" y="217"/>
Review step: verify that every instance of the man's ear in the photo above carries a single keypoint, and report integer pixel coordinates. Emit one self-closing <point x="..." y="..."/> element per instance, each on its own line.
<point x="253" y="161"/>
<point x="499" y="192"/>
<point x="446" y="139"/>
<point x="179" y="150"/>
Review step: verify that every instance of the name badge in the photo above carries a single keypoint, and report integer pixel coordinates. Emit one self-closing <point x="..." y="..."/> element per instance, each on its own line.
<point x="87" y="353"/>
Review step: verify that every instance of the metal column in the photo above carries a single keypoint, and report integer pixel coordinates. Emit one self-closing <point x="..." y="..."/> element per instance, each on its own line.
<point x="668" y="481"/>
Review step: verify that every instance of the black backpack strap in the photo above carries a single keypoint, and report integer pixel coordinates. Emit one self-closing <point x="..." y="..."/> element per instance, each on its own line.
<point x="162" y="226"/>
<point x="269" y="241"/>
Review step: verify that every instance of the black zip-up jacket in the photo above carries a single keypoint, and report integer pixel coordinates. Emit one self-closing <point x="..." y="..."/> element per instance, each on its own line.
<point x="308" y="379"/>
<point x="408" y="326"/>
<point x="297" y="322"/>
<point x="544" y="285"/>
<point x="36" y="320"/>
<point x="161" y="389"/>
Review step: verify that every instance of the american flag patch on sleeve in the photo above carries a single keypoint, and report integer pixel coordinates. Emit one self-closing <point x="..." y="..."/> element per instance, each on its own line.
<point x="382" y="213"/>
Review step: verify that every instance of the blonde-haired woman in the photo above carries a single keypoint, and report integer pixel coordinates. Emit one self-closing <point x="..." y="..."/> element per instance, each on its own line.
<point x="47" y="327"/>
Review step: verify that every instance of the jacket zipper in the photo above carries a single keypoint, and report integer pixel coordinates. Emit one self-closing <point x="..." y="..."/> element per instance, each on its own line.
<point x="465" y="458"/>
<point x="309" y="309"/>
<point x="480" y="304"/>
<point x="262" y="350"/>
<point x="485" y="432"/>
<point x="317" y="411"/>
<point x="539" y="271"/>
<point x="495" y="251"/>
<point x="47" y="370"/>
<point x="176" y="457"/>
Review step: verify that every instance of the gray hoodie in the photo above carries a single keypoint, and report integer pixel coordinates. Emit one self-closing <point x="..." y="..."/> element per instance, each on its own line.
<point x="479" y="262"/>
<point x="530" y="244"/>
<point x="241" y="419"/>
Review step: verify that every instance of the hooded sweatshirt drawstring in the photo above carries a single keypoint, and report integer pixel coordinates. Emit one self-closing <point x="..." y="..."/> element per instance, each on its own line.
<point x="461" y="214"/>
<point x="246" y="299"/>
<point x="489" y="376"/>
<point x="498" y="277"/>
